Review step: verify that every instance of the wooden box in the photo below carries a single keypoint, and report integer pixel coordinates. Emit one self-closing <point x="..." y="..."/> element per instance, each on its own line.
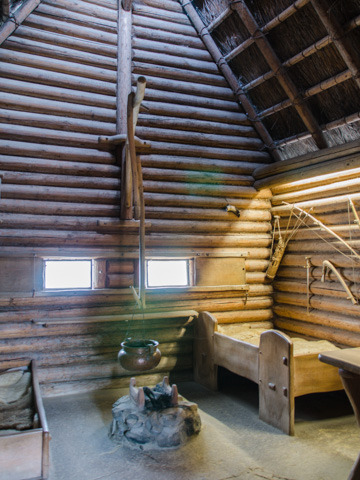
<point x="24" y="455"/>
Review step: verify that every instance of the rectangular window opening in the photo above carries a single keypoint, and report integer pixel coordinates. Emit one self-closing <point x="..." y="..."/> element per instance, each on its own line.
<point x="168" y="273"/>
<point x="67" y="274"/>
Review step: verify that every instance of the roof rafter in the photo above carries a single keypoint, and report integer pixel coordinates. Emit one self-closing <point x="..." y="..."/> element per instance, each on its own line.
<point x="15" y="20"/>
<point x="337" y="34"/>
<point x="282" y="76"/>
<point x="230" y="77"/>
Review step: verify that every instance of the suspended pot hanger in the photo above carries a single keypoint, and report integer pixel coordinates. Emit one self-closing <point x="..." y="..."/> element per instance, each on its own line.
<point x="138" y="354"/>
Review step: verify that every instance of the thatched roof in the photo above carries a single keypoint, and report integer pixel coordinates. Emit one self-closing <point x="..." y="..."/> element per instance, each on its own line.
<point x="318" y="59"/>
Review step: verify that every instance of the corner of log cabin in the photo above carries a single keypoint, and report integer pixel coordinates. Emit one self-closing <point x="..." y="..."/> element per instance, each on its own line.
<point x="65" y="71"/>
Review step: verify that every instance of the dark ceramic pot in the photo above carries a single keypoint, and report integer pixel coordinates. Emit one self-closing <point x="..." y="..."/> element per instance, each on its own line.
<point x="139" y="355"/>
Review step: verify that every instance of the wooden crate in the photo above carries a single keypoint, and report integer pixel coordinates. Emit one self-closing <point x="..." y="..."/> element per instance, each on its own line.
<point x="24" y="455"/>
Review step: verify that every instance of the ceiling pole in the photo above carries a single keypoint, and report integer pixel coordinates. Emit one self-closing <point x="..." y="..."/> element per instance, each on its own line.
<point x="123" y="90"/>
<point x="341" y="42"/>
<point x="230" y="77"/>
<point x="282" y="76"/>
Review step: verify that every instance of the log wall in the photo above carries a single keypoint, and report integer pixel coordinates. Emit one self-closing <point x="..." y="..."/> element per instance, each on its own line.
<point x="322" y="184"/>
<point x="60" y="193"/>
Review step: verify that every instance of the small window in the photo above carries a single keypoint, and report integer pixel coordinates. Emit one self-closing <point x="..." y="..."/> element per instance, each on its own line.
<point x="68" y="274"/>
<point x="168" y="273"/>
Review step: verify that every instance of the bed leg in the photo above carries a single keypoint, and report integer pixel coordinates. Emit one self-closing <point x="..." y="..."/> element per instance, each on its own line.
<point x="276" y="396"/>
<point x="205" y="371"/>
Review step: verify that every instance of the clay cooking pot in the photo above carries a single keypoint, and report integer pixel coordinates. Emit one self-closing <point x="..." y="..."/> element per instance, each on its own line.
<point x="139" y="355"/>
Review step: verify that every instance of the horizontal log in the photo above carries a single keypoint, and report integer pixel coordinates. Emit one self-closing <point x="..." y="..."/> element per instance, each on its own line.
<point x="313" y="176"/>
<point x="72" y="42"/>
<point x="96" y="11"/>
<point x="299" y="273"/>
<point x="57" y="79"/>
<point x="331" y="288"/>
<point x="193" y="126"/>
<point x="166" y="175"/>
<point x="85" y="223"/>
<point x="207" y="214"/>
<point x="337" y="260"/>
<point x="244" y="316"/>
<point x="320" y="205"/>
<point x="49" y="136"/>
<point x="166" y="36"/>
<point x="142" y="68"/>
<point x="160" y="13"/>
<point x="318" y="302"/>
<point x="56" y="109"/>
<point x="54" y="152"/>
<point x="48" y="180"/>
<point x="190" y="189"/>
<point x="82" y="372"/>
<point x="58" y="208"/>
<point x="171" y="49"/>
<point x="62" y="194"/>
<point x="197" y="164"/>
<point x="164" y="4"/>
<point x="341" y="337"/>
<point x="209" y="152"/>
<point x="192" y="112"/>
<point x="101" y="24"/>
<point x="312" y="158"/>
<point x="56" y="25"/>
<point x="164" y="25"/>
<point x="56" y="65"/>
<point x="185" y="63"/>
<point x="208" y="226"/>
<point x="338" y="188"/>
<point x="159" y="95"/>
<point x="38" y="165"/>
<point x="317" y="317"/>
<point x="178" y="136"/>
<point x="66" y="95"/>
<point x="186" y="87"/>
<point x="29" y="46"/>
<point x="55" y="238"/>
<point x="40" y="120"/>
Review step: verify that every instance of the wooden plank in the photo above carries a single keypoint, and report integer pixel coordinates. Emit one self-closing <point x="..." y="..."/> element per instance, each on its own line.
<point x="219" y="271"/>
<point x="29" y="446"/>
<point x="276" y="377"/>
<point x="311" y="376"/>
<point x="237" y="356"/>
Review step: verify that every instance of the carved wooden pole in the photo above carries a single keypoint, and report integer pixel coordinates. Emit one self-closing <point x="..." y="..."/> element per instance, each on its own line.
<point x="123" y="90"/>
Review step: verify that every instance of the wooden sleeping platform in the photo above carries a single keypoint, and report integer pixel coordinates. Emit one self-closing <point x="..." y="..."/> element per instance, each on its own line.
<point x="283" y="367"/>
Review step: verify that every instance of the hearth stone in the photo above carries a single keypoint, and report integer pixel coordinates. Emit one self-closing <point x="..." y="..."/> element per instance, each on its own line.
<point x="154" y="418"/>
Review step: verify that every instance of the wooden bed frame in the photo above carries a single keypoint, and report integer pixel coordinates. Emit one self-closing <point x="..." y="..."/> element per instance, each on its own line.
<point x="280" y="374"/>
<point x="25" y="454"/>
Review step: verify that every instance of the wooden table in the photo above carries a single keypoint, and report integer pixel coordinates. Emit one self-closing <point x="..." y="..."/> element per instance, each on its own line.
<point x="348" y="362"/>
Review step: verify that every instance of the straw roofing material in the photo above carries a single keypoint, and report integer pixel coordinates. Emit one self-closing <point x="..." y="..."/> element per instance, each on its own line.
<point x="338" y="97"/>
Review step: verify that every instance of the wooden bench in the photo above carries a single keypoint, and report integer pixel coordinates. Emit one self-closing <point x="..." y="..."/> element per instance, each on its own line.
<point x="283" y="367"/>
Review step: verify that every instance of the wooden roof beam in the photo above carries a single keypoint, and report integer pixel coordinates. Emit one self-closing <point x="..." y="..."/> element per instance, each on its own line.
<point x="13" y="22"/>
<point x="5" y="4"/>
<point x="230" y="77"/>
<point x="218" y="20"/>
<point x="283" y="78"/>
<point x="337" y="34"/>
<point x="315" y="47"/>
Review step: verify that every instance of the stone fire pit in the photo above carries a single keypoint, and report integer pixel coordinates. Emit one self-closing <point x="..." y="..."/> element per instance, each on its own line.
<point x="154" y="418"/>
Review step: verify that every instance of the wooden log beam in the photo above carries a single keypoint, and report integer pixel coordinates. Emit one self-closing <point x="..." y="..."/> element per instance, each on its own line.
<point x="19" y="16"/>
<point x="87" y="31"/>
<point x="282" y="76"/>
<point x="341" y="42"/>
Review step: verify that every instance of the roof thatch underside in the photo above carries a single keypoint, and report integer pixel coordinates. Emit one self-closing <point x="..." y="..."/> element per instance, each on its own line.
<point x="323" y="80"/>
